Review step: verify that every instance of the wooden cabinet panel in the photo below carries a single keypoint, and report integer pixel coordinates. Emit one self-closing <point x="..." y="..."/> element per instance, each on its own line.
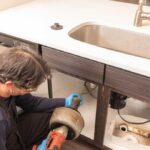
<point x="74" y="65"/>
<point x="133" y="84"/>
<point x="9" y="41"/>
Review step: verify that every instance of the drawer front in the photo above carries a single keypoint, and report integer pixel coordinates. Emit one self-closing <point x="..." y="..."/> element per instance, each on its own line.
<point x="133" y="84"/>
<point x="9" y="41"/>
<point x="74" y="65"/>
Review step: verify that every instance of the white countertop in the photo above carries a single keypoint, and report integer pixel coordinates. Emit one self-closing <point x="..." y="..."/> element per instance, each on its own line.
<point x="31" y="21"/>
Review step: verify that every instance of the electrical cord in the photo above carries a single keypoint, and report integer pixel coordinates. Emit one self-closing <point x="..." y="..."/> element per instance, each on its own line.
<point x="138" y="123"/>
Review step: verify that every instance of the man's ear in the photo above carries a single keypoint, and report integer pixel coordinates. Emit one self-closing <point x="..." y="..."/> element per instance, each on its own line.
<point x="9" y="83"/>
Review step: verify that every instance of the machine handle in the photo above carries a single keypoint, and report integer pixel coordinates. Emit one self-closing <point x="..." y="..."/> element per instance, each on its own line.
<point x="75" y="103"/>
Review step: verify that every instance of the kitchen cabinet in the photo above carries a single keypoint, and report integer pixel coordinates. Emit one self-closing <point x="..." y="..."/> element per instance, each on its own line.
<point x="135" y="86"/>
<point x="74" y="65"/>
<point x="108" y="78"/>
<point x="132" y="84"/>
<point x="10" y="41"/>
<point x="85" y="69"/>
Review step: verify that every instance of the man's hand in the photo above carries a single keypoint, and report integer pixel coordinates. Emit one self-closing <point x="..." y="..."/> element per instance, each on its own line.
<point x="70" y="98"/>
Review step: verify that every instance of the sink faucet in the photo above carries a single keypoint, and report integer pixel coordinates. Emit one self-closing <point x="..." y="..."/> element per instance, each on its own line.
<point x="141" y="15"/>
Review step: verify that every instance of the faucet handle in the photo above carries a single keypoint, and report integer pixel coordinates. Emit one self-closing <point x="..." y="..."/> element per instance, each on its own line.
<point x="142" y="2"/>
<point x="137" y="19"/>
<point x="140" y="14"/>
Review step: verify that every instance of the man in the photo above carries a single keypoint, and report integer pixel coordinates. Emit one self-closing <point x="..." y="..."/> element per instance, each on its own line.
<point x="21" y="72"/>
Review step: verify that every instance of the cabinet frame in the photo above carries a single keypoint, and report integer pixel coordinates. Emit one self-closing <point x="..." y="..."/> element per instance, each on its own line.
<point x="11" y="41"/>
<point x="85" y="69"/>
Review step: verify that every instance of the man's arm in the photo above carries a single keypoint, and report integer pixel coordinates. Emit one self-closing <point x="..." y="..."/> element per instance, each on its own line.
<point x="3" y="135"/>
<point x="34" y="103"/>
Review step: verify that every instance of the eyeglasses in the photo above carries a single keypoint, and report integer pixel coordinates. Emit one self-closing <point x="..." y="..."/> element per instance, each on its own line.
<point x="30" y="89"/>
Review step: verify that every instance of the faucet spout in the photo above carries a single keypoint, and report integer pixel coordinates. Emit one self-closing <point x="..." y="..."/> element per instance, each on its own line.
<point x="141" y="14"/>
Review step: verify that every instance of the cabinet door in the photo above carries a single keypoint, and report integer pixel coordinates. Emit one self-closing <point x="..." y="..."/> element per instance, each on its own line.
<point x="9" y="41"/>
<point x="132" y="84"/>
<point x="74" y="65"/>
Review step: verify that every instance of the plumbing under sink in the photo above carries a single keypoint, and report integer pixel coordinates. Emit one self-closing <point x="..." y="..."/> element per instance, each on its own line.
<point x="125" y="41"/>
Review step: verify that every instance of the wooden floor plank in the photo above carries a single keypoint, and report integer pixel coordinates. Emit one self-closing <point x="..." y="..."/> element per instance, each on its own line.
<point x="75" y="145"/>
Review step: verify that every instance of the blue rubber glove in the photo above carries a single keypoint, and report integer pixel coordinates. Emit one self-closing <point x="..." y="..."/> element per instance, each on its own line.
<point x="42" y="146"/>
<point x="69" y="99"/>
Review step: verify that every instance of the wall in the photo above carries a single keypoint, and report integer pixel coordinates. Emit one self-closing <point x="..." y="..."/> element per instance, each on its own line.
<point x="4" y="4"/>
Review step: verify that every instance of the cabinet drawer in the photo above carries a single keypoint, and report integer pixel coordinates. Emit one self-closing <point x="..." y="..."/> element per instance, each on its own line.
<point x="9" y="41"/>
<point x="133" y="84"/>
<point x="74" y="65"/>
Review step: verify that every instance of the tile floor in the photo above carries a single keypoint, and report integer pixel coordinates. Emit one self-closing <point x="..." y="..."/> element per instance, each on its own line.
<point x="63" y="85"/>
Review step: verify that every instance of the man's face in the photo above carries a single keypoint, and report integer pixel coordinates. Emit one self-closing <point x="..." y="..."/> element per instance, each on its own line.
<point x="10" y="89"/>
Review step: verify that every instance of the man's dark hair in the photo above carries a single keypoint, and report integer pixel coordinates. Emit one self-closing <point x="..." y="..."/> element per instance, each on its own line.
<point x="25" y="68"/>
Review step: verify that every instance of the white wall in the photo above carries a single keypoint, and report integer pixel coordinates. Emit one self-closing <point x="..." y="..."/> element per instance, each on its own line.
<point x="4" y="4"/>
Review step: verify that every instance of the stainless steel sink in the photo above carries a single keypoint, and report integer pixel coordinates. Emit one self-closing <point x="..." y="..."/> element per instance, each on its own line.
<point x="125" y="41"/>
